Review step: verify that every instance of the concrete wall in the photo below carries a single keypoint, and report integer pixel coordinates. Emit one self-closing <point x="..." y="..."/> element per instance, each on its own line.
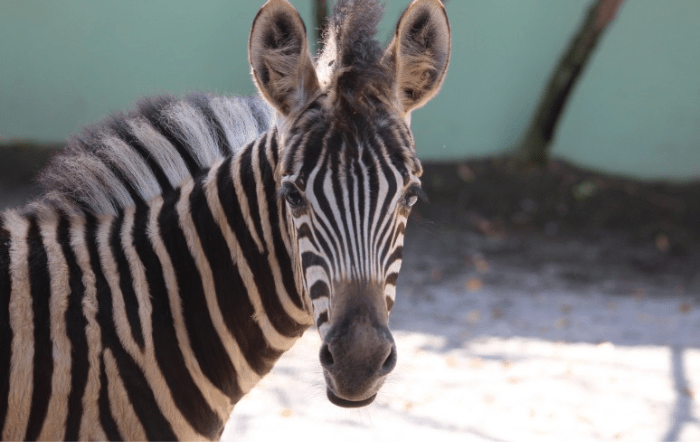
<point x="636" y="111"/>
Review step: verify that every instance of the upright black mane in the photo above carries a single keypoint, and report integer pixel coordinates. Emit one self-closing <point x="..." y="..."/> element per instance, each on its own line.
<point x="354" y="25"/>
<point x="352" y="57"/>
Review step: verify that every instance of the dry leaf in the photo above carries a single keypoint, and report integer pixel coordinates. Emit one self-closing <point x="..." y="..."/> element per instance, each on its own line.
<point x="474" y="284"/>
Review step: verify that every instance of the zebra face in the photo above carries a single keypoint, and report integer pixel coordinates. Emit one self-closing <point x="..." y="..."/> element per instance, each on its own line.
<point x="347" y="171"/>
<point x="349" y="189"/>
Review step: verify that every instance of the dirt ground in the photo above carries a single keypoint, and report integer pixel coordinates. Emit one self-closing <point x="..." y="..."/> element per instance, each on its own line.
<point x="581" y="225"/>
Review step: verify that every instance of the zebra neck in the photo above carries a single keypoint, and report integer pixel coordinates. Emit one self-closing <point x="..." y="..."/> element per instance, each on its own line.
<point x="234" y="228"/>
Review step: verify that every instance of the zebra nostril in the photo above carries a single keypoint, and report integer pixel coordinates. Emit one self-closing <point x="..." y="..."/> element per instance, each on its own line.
<point x="390" y="361"/>
<point x="326" y="356"/>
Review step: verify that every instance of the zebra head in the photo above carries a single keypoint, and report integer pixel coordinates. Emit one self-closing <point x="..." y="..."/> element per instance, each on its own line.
<point x="347" y="171"/>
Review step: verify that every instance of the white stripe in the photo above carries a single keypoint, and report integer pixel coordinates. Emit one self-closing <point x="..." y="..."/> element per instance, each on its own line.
<point x="131" y="165"/>
<point x="111" y="274"/>
<point x="150" y="367"/>
<point x="297" y="314"/>
<point x="196" y="132"/>
<point x="90" y="427"/>
<point x="247" y="378"/>
<point x="161" y="150"/>
<point x="272" y="336"/>
<point x="127" y="421"/>
<point x="215" y="399"/>
<point x="57" y="413"/>
<point x="22" y="325"/>
<point x="243" y="199"/>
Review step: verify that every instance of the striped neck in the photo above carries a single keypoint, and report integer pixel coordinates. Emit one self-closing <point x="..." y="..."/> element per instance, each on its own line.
<point x="235" y="229"/>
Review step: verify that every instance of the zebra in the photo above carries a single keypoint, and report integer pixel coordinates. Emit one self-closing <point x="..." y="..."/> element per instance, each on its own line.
<point x="181" y="248"/>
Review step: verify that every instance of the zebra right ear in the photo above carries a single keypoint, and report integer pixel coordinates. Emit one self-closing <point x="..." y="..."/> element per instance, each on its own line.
<point x="278" y="52"/>
<point x="419" y="53"/>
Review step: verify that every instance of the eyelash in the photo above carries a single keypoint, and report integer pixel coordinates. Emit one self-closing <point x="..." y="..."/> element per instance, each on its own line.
<point x="292" y="195"/>
<point x="413" y="194"/>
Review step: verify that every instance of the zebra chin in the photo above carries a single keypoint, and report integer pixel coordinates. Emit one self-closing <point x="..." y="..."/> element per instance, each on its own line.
<point x="358" y="351"/>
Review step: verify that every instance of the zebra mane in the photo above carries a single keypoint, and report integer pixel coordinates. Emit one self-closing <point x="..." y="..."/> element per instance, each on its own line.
<point x="143" y="153"/>
<point x="351" y="55"/>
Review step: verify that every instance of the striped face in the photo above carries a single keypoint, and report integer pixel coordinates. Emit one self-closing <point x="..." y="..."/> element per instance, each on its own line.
<point x="349" y="185"/>
<point x="349" y="192"/>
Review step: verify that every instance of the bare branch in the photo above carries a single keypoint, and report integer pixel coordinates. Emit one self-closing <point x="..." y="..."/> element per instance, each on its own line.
<point x="539" y="135"/>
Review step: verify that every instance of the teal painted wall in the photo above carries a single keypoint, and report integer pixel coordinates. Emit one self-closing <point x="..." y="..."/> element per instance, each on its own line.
<point x="636" y="111"/>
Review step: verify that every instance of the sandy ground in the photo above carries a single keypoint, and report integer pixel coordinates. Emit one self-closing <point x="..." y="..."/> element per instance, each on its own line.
<point x="535" y="359"/>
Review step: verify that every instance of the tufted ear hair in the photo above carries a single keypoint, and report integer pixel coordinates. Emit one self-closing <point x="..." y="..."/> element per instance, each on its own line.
<point x="419" y="52"/>
<point x="279" y="57"/>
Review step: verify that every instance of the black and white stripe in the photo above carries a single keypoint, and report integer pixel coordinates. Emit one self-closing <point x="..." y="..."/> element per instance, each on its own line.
<point x="182" y="248"/>
<point x="153" y="322"/>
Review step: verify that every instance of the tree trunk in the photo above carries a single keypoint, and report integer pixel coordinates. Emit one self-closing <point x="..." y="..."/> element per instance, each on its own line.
<point x="533" y="149"/>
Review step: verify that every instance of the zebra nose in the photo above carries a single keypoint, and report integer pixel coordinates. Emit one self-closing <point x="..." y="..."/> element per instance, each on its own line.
<point x="375" y="360"/>
<point x="389" y="362"/>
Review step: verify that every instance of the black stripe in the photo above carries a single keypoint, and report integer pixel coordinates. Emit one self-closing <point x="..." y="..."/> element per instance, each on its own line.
<point x="138" y="390"/>
<point x="126" y="282"/>
<point x="125" y="133"/>
<point x="5" y="330"/>
<point x="202" y="103"/>
<point x="370" y="161"/>
<point x="351" y="227"/>
<point x="105" y="317"/>
<point x="91" y="146"/>
<point x="322" y="319"/>
<point x="395" y="149"/>
<point x="386" y="246"/>
<point x="274" y="147"/>
<point x="106" y="418"/>
<point x="308" y="139"/>
<point x="318" y="290"/>
<point x="364" y="229"/>
<point x="237" y="310"/>
<point x="40" y="288"/>
<point x="250" y="188"/>
<point x="187" y="397"/>
<point x="313" y="149"/>
<point x="258" y="263"/>
<point x="258" y="110"/>
<point x="153" y="112"/>
<point x="309" y="259"/>
<point x="204" y="340"/>
<point x="393" y="186"/>
<point x="395" y="256"/>
<point x="325" y="207"/>
<point x="340" y="206"/>
<point x="75" y="329"/>
<point x="267" y="173"/>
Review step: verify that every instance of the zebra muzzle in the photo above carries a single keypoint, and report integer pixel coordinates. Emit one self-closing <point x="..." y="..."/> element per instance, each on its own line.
<point x="358" y="352"/>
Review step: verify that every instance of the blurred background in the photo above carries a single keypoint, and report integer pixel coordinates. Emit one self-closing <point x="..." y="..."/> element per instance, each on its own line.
<point x="556" y="290"/>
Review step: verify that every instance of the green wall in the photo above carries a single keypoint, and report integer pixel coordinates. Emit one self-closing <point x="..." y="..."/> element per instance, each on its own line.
<point x="636" y="111"/>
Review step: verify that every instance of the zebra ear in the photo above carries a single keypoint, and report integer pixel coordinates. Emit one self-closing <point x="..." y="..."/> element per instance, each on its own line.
<point x="279" y="57"/>
<point x="419" y="52"/>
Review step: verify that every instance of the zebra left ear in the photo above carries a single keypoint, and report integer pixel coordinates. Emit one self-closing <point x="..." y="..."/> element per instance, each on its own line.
<point x="419" y="53"/>
<point x="278" y="53"/>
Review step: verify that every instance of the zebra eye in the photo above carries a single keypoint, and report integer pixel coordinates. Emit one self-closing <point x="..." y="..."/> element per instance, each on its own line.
<point x="293" y="196"/>
<point x="412" y="195"/>
<point x="411" y="199"/>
